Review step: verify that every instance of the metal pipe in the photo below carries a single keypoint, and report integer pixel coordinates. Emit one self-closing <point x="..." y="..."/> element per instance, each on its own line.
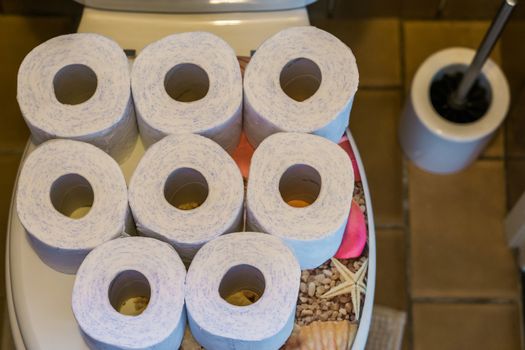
<point x="484" y="50"/>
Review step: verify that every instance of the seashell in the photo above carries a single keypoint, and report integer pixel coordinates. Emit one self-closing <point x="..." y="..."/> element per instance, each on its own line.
<point x="333" y="335"/>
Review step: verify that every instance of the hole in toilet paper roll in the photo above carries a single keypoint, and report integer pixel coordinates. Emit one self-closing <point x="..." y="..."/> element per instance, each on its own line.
<point x="300" y="78"/>
<point x="74" y="84"/>
<point x="186" y="189"/>
<point x="443" y="86"/>
<point x="300" y="185"/>
<point x="242" y="285"/>
<point x="129" y="293"/>
<point x="187" y="82"/>
<point x="72" y="195"/>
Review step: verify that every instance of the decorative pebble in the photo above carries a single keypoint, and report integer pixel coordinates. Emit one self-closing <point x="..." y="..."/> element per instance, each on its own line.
<point x="311" y="289"/>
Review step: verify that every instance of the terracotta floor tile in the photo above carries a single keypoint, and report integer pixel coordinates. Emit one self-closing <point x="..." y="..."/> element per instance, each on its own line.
<point x="458" y="247"/>
<point x="423" y="38"/>
<point x="515" y="180"/>
<point x="9" y="165"/>
<point x="19" y="35"/>
<point x="471" y="9"/>
<point x="391" y="269"/>
<point x="466" y="326"/>
<point x="375" y="43"/>
<point x="419" y="9"/>
<point x="373" y="123"/>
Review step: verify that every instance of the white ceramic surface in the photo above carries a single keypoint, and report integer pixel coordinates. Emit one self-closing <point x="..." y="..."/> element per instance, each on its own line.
<point x="436" y="144"/>
<point x="244" y="31"/>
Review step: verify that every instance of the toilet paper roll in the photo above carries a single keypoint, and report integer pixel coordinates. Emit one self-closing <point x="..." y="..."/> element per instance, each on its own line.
<point x="61" y="180"/>
<point x="188" y="82"/>
<point x="302" y="79"/>
<point x="243" y="261"/>
<point x="300" y="189"/>
<point x="435" y="143"/>
<point x="186" y="190"/>
<point x="131" y="269"/>
<point x="77" y="87"/>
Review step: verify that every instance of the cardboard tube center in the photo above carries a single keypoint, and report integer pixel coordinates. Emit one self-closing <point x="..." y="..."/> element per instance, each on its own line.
<point x="129" y="293"/>
<point x="72" y="195"/>
<point x="75" y="84"/>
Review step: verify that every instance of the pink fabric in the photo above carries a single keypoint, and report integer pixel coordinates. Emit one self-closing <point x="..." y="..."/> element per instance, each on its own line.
<point x="354" y="238"/>
<point x="243" y="155"/>
<point x="345" y="144"/>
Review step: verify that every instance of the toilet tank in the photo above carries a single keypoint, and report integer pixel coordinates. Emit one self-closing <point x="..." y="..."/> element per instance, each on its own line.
<point x="195" y="6"/>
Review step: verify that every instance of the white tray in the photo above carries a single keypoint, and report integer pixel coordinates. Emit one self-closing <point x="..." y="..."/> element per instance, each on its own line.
<point x="39" y="298"/>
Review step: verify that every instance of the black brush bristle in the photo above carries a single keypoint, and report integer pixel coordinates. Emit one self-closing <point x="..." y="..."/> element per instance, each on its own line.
<point x="476" y="105"/>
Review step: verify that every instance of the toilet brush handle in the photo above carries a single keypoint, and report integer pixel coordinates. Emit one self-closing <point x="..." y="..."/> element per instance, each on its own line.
<point x="484" y="51"/>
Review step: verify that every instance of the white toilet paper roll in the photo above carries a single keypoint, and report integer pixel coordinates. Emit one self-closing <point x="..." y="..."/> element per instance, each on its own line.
<point x="300" y="189"/>
<point x="435" y="143"/>
<point x="77" y="87"/>
<point x="188" y="82"/>
<point x="131" y="269"/>
<point x="186" y="190"/>
<point x="59" y="182"/>
<point x="302" y="79"/>
<point x="243" y="261"/>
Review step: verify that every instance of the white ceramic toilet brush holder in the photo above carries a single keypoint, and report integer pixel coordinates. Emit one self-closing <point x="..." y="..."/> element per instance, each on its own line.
<point x="457" y="100"/>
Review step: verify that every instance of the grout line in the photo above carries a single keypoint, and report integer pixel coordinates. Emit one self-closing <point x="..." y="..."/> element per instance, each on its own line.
<point x="464" y="300"/>
<point x="405" y="199"/>
<point x="519" y="158"/>
<point x="390" y="227"/>
<point x="491" y="158"/>
<point x="380" y="87"/>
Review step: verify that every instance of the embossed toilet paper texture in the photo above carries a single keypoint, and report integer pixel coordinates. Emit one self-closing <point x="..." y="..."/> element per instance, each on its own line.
<point x="313" y="233"/>
<point x="106" y="119"/>
<point x="267" y="108"/>
<point x="267" y="323"/>
<point x="161" y="325"/>
<point x="218" y="115"/>
<point x="187" y="230"/>
<point x="60" y="241"/>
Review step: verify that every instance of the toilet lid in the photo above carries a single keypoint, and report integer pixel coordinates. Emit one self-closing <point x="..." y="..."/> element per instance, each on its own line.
<point x="195" y="6"/>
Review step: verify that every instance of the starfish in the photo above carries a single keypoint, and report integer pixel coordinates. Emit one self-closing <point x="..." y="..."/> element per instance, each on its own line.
<point x="353" y="283"/>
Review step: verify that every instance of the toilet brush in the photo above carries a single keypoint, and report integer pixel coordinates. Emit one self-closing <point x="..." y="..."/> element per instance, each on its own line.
<point x="462" y="98"/>
<point x="458" y="99"/>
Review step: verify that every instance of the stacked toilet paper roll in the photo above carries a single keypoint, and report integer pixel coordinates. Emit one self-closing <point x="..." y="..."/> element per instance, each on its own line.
<point x="439" y="145"/>
<point x="123" y="269"/>
<point x="188" y="82"/>
<point x="77" y="87"/>
<point x="61" y="180"/>
<point x="302" y="79"/>
<point x="187" y="191"/>
<point x="300" y="189"/>
<point x="243" y="261"/>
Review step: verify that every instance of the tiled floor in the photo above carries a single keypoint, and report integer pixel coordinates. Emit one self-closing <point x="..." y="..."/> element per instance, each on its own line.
<point x="441" y="251"/>
<point x="442" y="256"/>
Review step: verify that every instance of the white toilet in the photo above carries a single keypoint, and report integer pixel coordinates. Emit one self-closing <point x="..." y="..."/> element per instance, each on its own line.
<point x="39" y="298"/>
